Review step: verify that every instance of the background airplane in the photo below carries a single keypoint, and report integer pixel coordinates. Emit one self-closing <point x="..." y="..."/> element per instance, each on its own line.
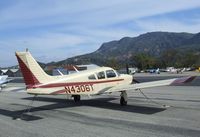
<point x="89" y="82"/>
<point x="175" y="70"/>
<point x="3" y="81"/>
<point x="155" y="71"/>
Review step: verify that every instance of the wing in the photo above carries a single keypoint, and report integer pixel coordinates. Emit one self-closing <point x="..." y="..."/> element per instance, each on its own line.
<point x="5" y="81"/>
<point x="175" y="81"/>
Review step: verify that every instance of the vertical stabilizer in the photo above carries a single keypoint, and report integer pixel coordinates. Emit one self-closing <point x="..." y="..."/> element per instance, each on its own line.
<point x="32" y="72"/>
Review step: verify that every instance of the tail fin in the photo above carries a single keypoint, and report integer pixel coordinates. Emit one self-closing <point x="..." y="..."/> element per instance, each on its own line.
<point x="33" y="74"/>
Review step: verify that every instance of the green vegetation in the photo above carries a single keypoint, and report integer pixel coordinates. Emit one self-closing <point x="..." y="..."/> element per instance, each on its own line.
<point x="168" y="58"/>
<point x="144" y="61"/>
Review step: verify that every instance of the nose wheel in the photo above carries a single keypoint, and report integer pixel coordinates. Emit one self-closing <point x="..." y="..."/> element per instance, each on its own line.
<point x="77" y="98"/>
<point x="123" y="99"/>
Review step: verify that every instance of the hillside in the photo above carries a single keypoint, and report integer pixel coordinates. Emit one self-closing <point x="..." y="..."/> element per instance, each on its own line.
<point x="153" y="44"/>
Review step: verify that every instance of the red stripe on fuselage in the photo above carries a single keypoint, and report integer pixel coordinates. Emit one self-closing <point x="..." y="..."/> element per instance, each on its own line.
<point x="54" y="85"/>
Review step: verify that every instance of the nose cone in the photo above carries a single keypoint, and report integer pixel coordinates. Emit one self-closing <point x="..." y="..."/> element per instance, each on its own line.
<point x="130" y="79"/>
<point x="127" y="78"/>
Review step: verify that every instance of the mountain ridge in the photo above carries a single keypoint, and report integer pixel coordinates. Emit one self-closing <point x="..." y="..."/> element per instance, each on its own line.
<point x="152" y="43"/>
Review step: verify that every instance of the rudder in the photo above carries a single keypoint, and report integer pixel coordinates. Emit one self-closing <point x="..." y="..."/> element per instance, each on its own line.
<point x="33" y="74"/>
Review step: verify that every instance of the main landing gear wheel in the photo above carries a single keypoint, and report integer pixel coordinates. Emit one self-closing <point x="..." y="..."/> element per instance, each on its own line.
<point x="123" y="102"/>
<point x="123" y="99"/>
<point x="77" y="98"/>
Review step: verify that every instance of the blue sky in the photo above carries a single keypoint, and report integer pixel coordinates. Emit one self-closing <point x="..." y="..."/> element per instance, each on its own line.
<point x="57" y="29"/>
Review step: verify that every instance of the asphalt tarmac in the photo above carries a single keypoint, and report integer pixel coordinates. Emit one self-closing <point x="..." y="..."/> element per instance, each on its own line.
<point x="170" y="111"/>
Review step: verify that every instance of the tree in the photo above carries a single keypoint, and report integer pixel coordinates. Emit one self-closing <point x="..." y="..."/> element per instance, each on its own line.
<point x="144" y="61"/>
<point x="168" y="57"/>
<point x="113" y="63"/>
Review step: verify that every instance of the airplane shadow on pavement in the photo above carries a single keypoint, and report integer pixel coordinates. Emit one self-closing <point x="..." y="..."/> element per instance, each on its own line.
<point x="63" y="103"/>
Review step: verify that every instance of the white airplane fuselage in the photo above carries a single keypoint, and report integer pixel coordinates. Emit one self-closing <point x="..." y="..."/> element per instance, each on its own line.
<point x="89" y="82"/>
<point x="86" y="82"/>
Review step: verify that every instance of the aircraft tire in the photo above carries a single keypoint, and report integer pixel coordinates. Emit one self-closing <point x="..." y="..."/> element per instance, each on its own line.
<point x="77" y="98"/>
<point x="123" y="102"/>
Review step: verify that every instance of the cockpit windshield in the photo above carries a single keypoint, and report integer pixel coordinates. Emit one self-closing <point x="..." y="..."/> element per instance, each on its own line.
<point x="110" y="74"/>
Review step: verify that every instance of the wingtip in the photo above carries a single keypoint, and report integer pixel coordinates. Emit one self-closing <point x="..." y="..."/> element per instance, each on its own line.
<point x="183" y="80"/>
<point x="190" y="79"/>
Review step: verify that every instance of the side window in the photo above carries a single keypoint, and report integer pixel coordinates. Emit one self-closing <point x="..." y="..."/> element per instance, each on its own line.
<point x="110" y="74"/>
<point x="92" y="77"/>
<point x="101" y="75"/>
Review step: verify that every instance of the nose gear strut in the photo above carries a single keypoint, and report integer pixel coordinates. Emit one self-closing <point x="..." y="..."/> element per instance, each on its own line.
<point x="123" y="99"/>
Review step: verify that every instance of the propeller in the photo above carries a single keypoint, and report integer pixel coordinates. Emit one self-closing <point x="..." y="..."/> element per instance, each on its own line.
<point x="134" y="81"/>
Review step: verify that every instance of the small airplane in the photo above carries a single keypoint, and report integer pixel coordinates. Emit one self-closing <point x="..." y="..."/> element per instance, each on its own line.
<point x="155" y="71"/>
<point x="97" y="81"/>
<point x="175" y="70"/>
<point x="3" y="81"/>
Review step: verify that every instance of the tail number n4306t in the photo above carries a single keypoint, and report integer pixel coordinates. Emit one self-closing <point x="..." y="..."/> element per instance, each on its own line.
<point x="79" y="88"/>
